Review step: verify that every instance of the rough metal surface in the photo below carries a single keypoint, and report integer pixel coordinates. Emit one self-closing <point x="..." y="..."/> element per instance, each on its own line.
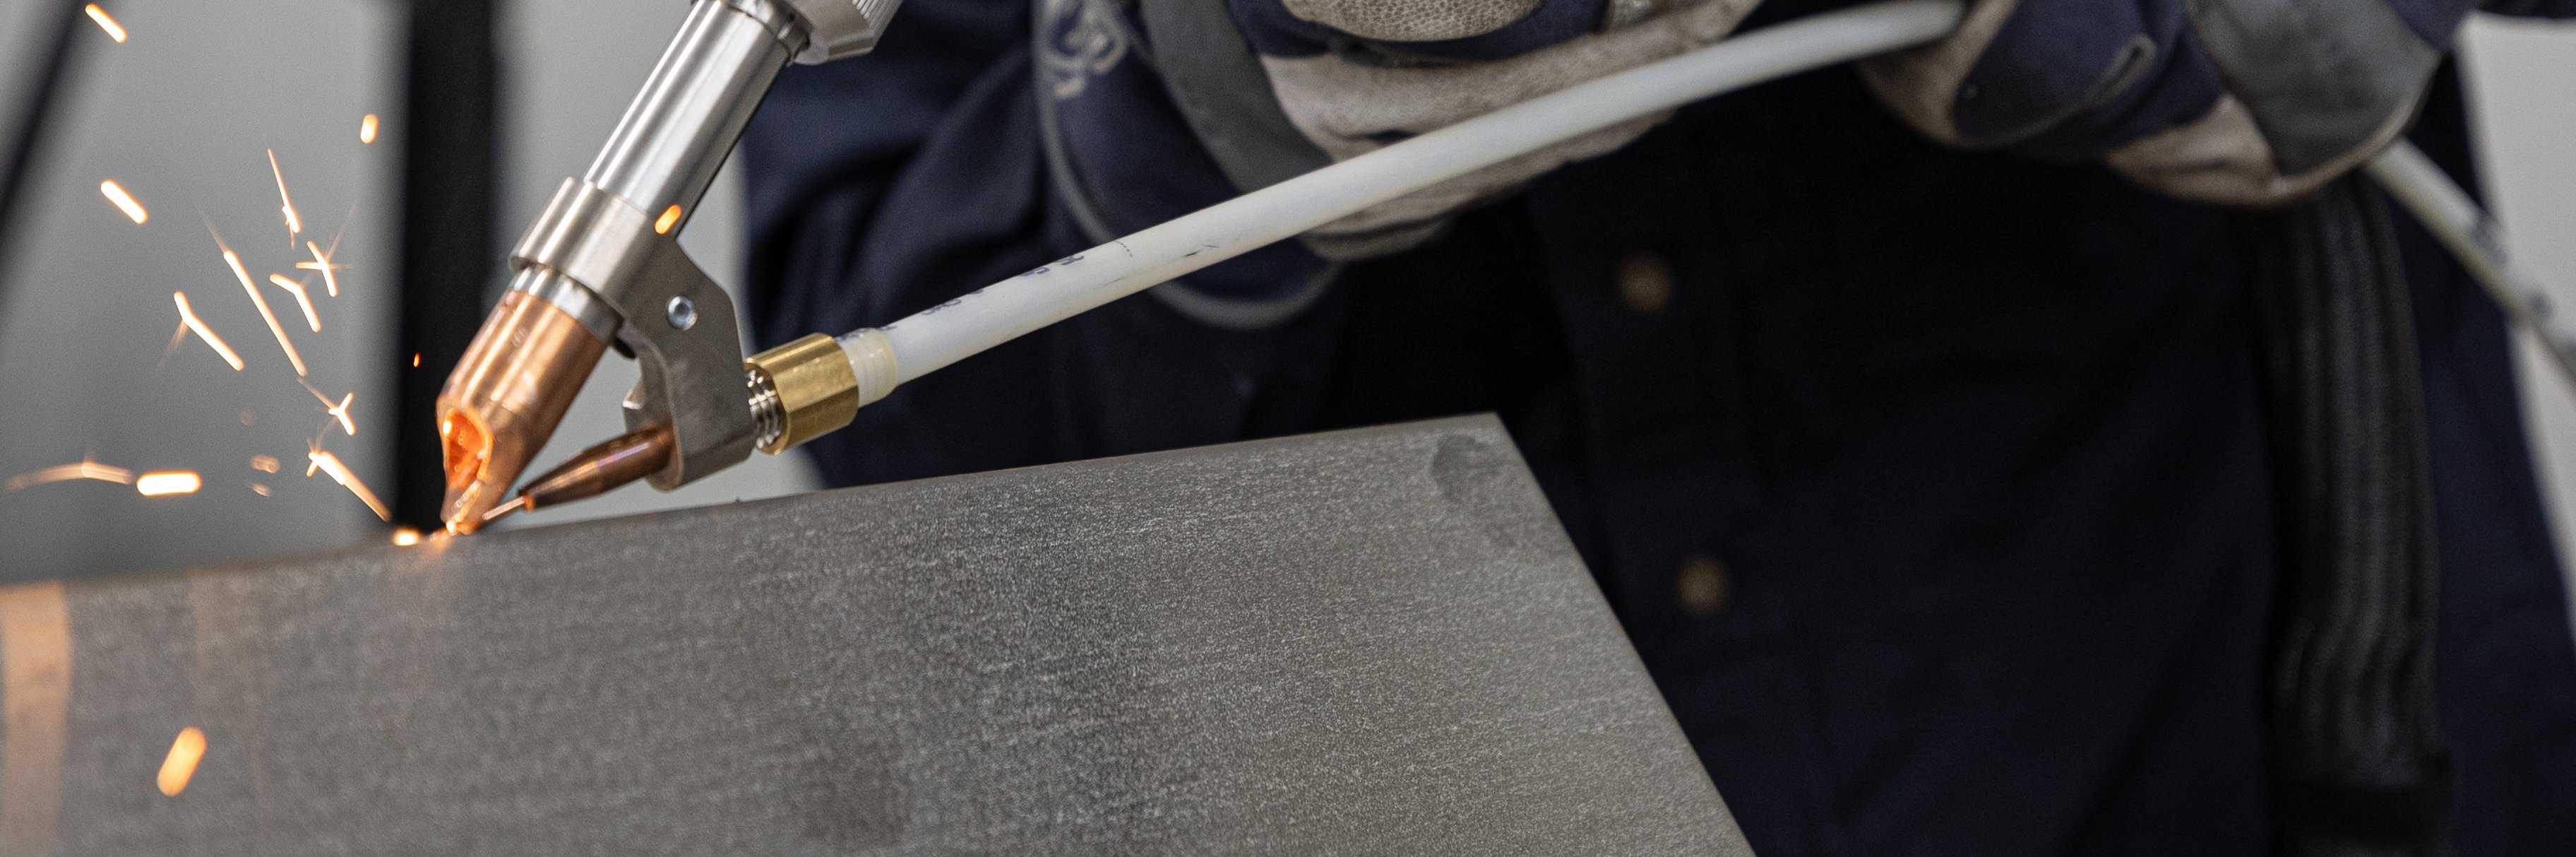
<point x="1374" y="641"/>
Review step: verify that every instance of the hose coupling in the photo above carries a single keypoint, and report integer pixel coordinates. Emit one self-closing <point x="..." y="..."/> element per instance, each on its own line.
<point x="799" y="391"/>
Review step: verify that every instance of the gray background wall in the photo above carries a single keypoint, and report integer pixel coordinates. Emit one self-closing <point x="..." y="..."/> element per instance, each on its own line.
<point x="182" y="115"/>
<point x="182" y="112"/>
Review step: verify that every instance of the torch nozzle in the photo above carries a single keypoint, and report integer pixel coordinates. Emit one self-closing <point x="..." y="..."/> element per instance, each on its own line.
<point x="597" y="470"/>
<point x="504" y="399"/>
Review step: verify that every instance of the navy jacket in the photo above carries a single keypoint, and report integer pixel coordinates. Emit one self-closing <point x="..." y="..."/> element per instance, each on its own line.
<point x="1929" y="485"/>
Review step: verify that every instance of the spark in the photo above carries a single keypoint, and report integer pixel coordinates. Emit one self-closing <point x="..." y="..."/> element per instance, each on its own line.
<point x="188" y="319"/>
<point x="367" y="128"/>
<point x="322" y="255"/>
<point x="178" y="336"/>
<point x="168" y="482"/>
<point x="82" y="469"/>
<point x="181" y="764"/>
<point x="415" y="360"/>
<point x="285" y="205"/>
<point x="322" y="262"/>
<point x="125" y="202"/>
<point x="330" y="464"/>
<point x="247" y="417"/>
<point x="264" y="463"/>
<point x="105" y="22"/>
<point x="670" y="217"/>
<point x="302" y="300"/>
<point x="259" y="489"/>
<point x="234" y="262"/>
<point x="406" y="537"/>
<point x="339" y="411"/>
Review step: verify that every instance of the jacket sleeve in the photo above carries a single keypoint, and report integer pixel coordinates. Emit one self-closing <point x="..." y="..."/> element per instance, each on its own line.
<point x="831" y="141"/>
<point x="2531" y="8"/>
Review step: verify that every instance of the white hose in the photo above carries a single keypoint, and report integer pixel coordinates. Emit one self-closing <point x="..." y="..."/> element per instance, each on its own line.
<point x="933" y="338"/>
<point x="2455" y="220"/>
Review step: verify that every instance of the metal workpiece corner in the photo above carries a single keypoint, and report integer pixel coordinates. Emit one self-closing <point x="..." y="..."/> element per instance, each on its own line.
<point x="1375" y="641"/>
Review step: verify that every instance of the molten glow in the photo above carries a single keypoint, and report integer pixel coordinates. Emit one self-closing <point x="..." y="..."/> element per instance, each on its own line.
<point x="115" y="193"/>
<point x="114" y="30"/>
<point x="406" y="537"/>
<point x="466" y="449"/>
<point x="367" y="128"/>
<point x="340" y="473"/>
<point x="670" y="217"/>
<point x="302" y="300"/>
<point x="188" y="319"/>
<point x="285" y="205"/>
<point x="181" y="764"/>
<point x="264" y="463"/>
<point x="167" y="482"/>
<point x="234" y="262"/>
<point x="322" y="262"/>
<point x="466" y="446"/>
<point x="83" y="469"/>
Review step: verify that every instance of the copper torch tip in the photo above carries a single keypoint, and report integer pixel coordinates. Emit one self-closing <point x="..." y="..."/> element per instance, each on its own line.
<point x="502" y="403"/>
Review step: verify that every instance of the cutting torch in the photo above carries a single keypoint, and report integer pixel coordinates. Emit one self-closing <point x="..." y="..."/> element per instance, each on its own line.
<point x="602" y="268"/>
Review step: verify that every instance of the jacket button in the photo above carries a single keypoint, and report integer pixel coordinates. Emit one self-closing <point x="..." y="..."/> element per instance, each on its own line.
<point x="1645" y="282"/>
<point x="1700" y="587"/>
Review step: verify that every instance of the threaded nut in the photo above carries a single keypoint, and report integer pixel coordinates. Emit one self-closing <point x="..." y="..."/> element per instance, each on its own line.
<point x="814" y="389"/>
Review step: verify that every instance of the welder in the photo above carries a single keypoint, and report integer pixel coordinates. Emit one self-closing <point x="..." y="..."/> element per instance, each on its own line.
<point x="1989" y="447"/>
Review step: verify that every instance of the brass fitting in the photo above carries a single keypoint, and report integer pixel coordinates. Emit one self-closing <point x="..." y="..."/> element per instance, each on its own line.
<point x="501" y="404"/>
<point x="801" y="390"/>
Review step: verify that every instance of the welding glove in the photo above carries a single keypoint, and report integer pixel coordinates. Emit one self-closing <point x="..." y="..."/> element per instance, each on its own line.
<point x="2243" y="102"/>
<point x="1355" y="75"/>
<point x="1273" y="88"/>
